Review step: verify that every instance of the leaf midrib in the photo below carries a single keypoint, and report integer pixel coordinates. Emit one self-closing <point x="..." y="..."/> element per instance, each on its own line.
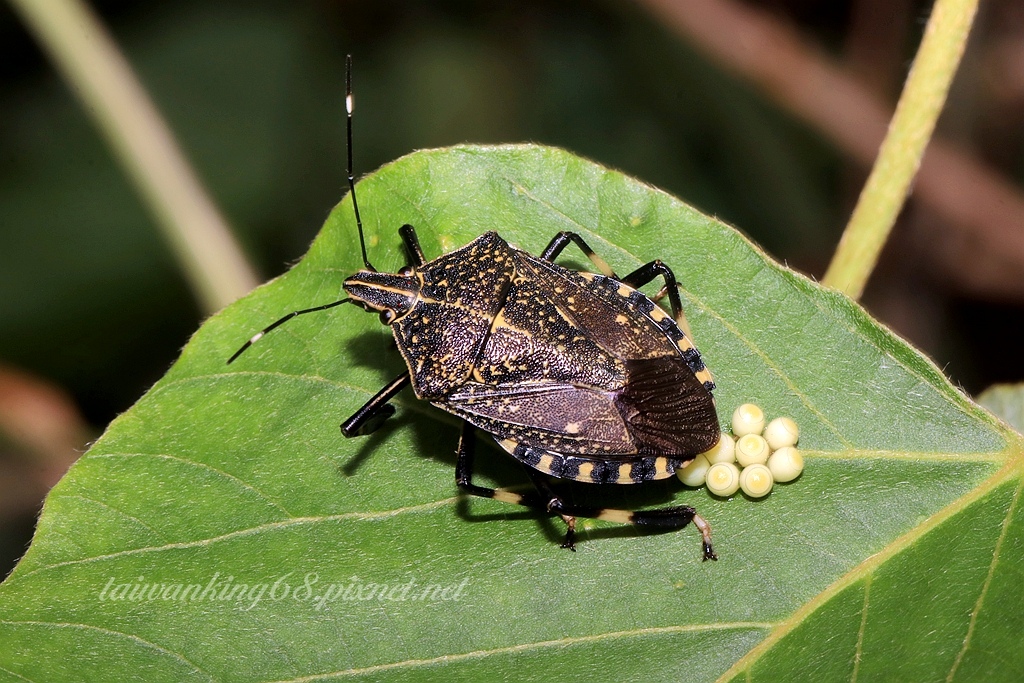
<point x="1014" y="468"/>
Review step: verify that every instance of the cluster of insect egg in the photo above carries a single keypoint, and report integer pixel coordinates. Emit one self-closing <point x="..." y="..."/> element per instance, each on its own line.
<point x="766" y="454"/>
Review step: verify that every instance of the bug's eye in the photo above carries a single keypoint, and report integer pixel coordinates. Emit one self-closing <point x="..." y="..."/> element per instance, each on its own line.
<point x="387" y="316"/>
<point x="406" y="271"/>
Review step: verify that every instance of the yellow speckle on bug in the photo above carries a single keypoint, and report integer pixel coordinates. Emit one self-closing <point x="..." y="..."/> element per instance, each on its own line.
<point x="723" y="479"/>
<point x="756" y="481"/>
<point x="724" y="450"/>
<point x="786" y="464"/>
<point x="747" y="419"/>
<point x="694" y="472"/>
<point x="752" y="449"/>
<point x="781" y="432"/>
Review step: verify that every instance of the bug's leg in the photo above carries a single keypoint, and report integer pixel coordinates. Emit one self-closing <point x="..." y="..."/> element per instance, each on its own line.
<point x="412" y="245"/>
<point x="282" y="321"/>
<point x="548" y="501"/>
<point x="563" y="239"/>
<point x="555" y="504"/>
<point x="648" y="272"/>
<point x="373" y="413"/>
<point x="464" y="474"/>
<point x="638" y="278"/>
<point x="664" y="518"/>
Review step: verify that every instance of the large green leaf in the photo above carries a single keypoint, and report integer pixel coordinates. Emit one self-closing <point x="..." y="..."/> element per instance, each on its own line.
<point x="1006" y="401"/>
<point x="897" y="555"/>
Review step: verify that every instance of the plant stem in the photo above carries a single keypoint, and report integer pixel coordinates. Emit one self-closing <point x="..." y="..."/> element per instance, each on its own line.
<point x="89" y="60"/>
<point x="900" y="155"/>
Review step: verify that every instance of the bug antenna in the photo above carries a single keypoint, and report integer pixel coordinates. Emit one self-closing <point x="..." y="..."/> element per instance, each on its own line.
<point x="348" y="147"/>
<point x="259" y="335"/>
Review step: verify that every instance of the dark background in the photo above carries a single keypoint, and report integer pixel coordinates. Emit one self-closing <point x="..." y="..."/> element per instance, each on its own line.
<point x="93" y="309"/>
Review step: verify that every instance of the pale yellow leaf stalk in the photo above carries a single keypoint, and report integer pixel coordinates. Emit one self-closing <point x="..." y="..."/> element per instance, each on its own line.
<point x="99" y="75"/>
<point x="900" y="155"/>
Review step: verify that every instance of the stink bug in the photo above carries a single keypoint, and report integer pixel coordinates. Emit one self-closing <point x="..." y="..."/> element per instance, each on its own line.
<point x="578" y="376"/>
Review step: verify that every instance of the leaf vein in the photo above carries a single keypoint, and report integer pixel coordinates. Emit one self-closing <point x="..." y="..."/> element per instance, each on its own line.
<point x="988" y="581"/>
<point x="997" y="457"/>
<point x="14" y="673"/>
<point x="859" y="650"/>
<point x="106" y="631"/>
<point x="771" y="365"/>
<point x="525" y="647"/>
<point x="202" y="465"/>
<point x="949" y="392"/>
<point x="249" y="531"/>
<point x="116" y="511"/>
<point x="418" y="406"/>
<point x="866" y="567"/>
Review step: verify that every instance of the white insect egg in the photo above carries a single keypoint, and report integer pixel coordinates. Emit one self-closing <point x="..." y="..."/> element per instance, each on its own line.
<point x="756" y="481"/>
<point x="694" y="472"/>
<point x="752" y="449"/>
<point x="747" y="419"/>
<point x="724" y="450"/>
<point x="786" y="464"/>
<point x="781" y="432"/>
<point x="723" y="479"/>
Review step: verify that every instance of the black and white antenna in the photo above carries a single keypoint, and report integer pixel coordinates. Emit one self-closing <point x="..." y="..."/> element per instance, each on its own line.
<point x="349" y="105"/>
<point x="359" y="223"/>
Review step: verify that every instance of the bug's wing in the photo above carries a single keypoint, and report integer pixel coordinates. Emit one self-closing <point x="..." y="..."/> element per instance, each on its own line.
<point x="602" y="309"/>
<point x="667" y="407"/>
<point x="561" y="417"/>
<point x="663" y="409"/>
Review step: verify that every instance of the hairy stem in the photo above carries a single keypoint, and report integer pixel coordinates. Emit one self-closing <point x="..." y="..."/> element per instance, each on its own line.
<point x="900" y="155"/>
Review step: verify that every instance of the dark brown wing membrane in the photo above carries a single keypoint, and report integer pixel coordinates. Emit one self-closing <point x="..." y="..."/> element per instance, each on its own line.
<point x="666" y="407"/>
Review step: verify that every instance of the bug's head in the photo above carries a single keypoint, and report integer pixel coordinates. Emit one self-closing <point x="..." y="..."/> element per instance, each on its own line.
<point x="392" y="294"/>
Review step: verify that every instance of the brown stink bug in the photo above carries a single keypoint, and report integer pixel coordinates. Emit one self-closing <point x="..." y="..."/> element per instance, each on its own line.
<point x="578" y="376"/>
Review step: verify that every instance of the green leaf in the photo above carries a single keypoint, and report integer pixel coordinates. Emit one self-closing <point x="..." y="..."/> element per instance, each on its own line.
<point x="1007" y="402"/>
<point x="895" y="556"/>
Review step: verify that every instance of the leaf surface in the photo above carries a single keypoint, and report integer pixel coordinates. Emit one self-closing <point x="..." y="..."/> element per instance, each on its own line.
<point x="896" y="556"/>
<point x="1006" y="401"/>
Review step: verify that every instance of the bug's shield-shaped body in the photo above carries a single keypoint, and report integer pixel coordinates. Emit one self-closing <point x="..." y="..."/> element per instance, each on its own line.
<point x="575" y="374"/>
